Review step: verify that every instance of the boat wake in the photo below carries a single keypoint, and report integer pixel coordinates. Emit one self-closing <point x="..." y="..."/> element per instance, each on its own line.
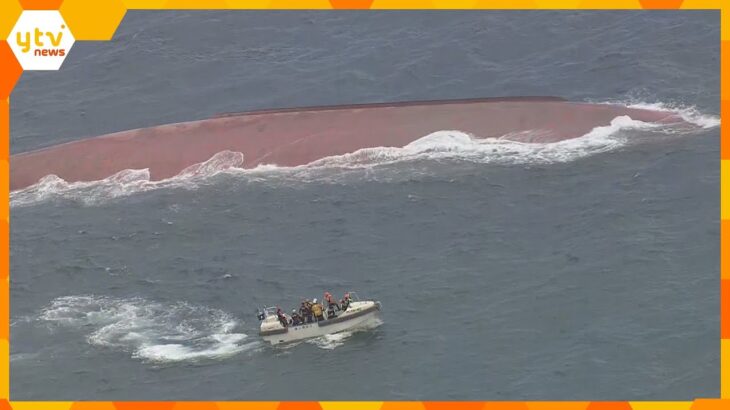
<point x="150" y="331"/>
<point x="438" y="146"/>
<point x="163" y="333"/>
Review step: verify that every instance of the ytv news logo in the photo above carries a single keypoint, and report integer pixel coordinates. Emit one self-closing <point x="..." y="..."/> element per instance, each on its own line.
<point x="40" y="40"/>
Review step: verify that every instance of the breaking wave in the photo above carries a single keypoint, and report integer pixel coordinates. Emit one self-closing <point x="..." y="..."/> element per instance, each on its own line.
<point x="462" y="146"/>
<point x="150" y="331"/>
<point x="440" y="145"/>
<point x="123" y="183"/>
<point x="690" y="114"/>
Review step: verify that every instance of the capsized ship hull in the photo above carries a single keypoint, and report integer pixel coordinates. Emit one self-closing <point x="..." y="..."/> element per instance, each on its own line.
<point x="292" y="137"/>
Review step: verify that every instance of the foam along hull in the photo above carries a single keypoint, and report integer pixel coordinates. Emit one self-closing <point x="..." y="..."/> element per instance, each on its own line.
<point x="360" y="315"/>
<point x="292" y="137"/>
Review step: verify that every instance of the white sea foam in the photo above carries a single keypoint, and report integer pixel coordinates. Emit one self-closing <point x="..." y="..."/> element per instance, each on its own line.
<point x="330" y="342"/>
<point x="690" y="114"/>
<point x="462" y="146"/>
<point x="150" y="331"/>
<point x="123" y="183"/>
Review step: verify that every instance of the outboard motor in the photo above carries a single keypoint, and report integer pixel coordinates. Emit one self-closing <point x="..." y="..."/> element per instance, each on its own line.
<point x="260" y="315"/>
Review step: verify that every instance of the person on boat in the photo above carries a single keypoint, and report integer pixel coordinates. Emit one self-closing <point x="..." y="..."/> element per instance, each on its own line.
<point x="282" y="317"/>
<point x="345" y="302"/>
<point x="317" y="310"/>
<point x="330" y="301"/>
<point x="305" y="310"/>
<point x="296" y="319"/>
<point x="331" y="311"/>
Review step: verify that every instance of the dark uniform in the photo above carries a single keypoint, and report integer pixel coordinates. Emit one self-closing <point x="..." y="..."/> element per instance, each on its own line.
<point x="296" y="319"/>
<point x="306" y="311"/>
<point x="331" y="311"/>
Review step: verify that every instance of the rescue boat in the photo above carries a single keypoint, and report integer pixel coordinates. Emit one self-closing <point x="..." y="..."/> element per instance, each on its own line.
<point x="358" y="315"/>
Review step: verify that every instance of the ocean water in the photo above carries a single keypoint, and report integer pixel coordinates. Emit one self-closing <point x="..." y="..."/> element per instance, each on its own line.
<point x="582" y="270"/>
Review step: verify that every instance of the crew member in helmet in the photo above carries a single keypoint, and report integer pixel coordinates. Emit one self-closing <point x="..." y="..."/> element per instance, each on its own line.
<point x="345" y="302"/>
<point x="330" y="301"/>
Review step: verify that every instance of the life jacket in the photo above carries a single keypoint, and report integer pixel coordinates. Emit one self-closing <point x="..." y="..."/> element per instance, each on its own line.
<point x="330" y="300"/>
<point x="317" y="309"/>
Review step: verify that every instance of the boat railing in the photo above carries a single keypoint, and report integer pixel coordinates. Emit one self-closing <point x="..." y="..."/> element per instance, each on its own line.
<point x="268" y="311"/>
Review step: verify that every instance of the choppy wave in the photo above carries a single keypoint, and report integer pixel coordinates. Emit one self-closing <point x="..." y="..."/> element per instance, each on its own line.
<point x="150" y="331"/>
<point x="440" y="145"/>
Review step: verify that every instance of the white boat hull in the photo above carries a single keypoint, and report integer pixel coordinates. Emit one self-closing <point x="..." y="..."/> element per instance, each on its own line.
<point x="359" y="315"/>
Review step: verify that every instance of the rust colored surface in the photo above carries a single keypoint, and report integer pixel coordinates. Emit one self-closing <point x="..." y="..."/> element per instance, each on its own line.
<point x="291" y="137"/>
